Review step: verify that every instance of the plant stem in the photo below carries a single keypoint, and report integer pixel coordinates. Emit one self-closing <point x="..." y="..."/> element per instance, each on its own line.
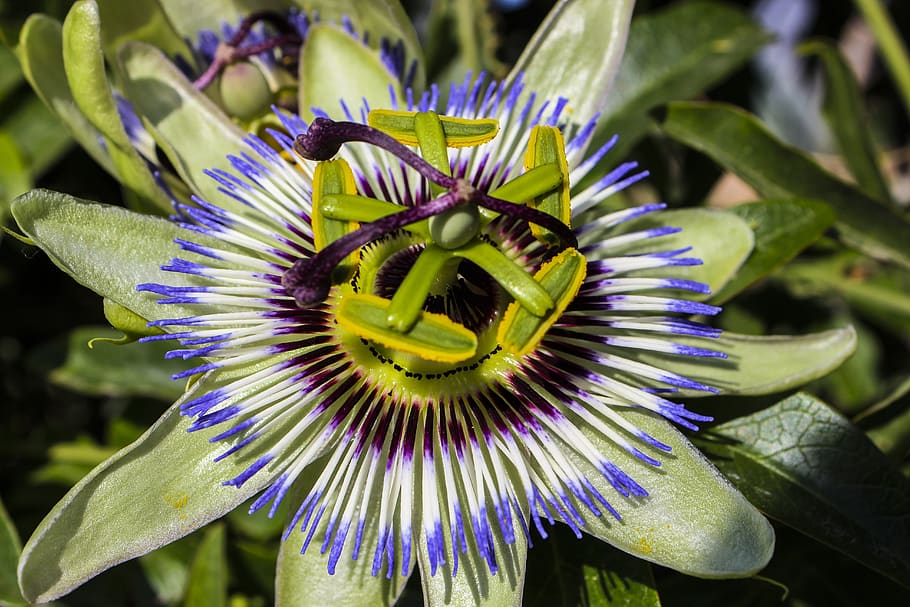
<point x="889" y="41"/>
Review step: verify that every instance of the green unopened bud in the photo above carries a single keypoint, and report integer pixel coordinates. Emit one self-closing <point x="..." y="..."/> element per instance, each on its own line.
<point x="245" y="91"/>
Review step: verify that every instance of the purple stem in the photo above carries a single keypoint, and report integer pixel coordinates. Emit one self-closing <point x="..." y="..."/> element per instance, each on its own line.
<point x="529" y="214"/>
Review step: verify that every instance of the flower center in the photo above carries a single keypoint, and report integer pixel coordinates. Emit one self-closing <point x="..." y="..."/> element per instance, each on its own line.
<point x="437" y="295"/>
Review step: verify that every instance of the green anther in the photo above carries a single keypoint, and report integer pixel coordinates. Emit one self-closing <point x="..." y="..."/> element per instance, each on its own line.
<point x="459" y="132"/>
<point x="432" y="337"/>
<point x="510" y="276"/>
<point x="520" y="330"/>
<point x="432" y="142"/>
<point x="333" y="177"/>
<point x="533" y="183"/>
<point x="546" y="147"/>
<point x="346" y="207"/>
<point x="413" y="291"/>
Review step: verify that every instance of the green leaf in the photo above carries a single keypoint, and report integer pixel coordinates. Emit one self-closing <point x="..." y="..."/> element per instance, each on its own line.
<point x="10" y="74"/>
<point x="879" y="292"/>
<point x="303" y="579"/>
<point x="136" y="369"/>
<point x="9" y="555"/>
<point x="845" y="115"/>
<point x="720" y="239"/>
<point x="692" y="521"/>
<point x="674" y="54"/>
<point x="859" y="381"/>
<point x="38" y="135"/>
<point x="14" y="174"/>
<point x="108" y="249"/>
<point x="180" y="118"/>
<point x="808" y="467"/>
<point x="209" y="572"/>
<point x="758" y="364"/>
<point x="335" y="66"/>
<point x="564" y="571"/>
<point x="474" y="29"/>
<point x="40" y="52"/>
<point x="575" y="54"/>
<point x="70" y="461"/>
<point x="782" y="229"/>
<point x="258" y="525"/>
<point x="739" y="142"/>
<point x="156" y="490"/>
<point x="893" y="436"/>
<point x="257" y="562"/>
<point x="83" y="61"/>
<point x="167" y="569"/>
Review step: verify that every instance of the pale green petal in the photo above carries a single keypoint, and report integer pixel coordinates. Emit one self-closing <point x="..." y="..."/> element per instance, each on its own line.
<point x="108" y="249"/>
<point x="83" y="60"/>
<point x="142" y="20"/>
<point x="576" y="53"/>
<point x="40" y="52"/>
<point x="722" y="240"/>
<point x="758" y="364"/>
<point x="335" y="66"/>
<point x="189" y="17"/>
<point x="380" y="19"/>
<point x="693" y="521"/>
<point x="160" y="488"/>
<point x="473" y="584"/>
<point x="303" y="579"/>
<point x="192" y="130"/>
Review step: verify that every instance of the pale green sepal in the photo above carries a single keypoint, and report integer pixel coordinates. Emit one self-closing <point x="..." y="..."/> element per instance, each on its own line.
<point x="723" y="241"/>
<point x="83" y="61"/>
<point x="162" y="487"/>
<point x="40" y="53"/>
<point x="758" y="364"/>
<point x="303" y="580"/>
<point x="576" y="53"/>
<point x="108" y="249"/>
<point x="335" y="66"/>
<point x="189" y="17"/>
<point x="191" y="129"/>
<point x="693" y="520"/>
<point x="142" y="20"/>
<point x="473" y="584"/>
<point x="208" y="582"/>
<point x="128" y="322"/>
<point x="381" y="19"/>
